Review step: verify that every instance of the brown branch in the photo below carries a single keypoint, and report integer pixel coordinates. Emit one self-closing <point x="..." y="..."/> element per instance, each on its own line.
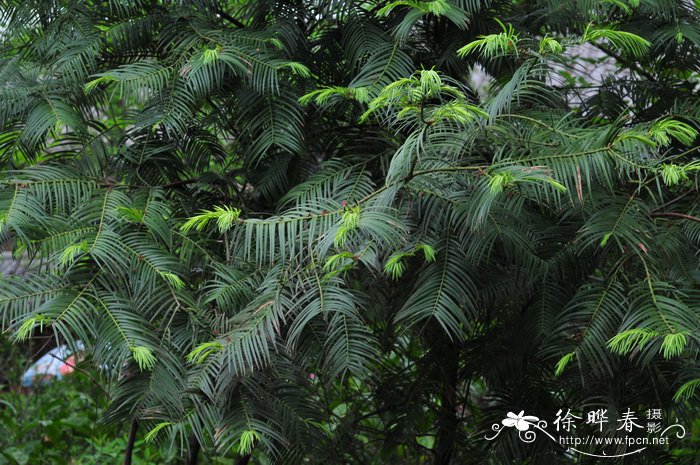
<point x="181" y="182"/>
<point x="677" y="215"/>
<point x="672" y="201"/>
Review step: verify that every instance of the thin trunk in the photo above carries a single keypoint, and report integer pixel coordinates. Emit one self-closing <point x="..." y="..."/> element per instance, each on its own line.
<point x="131" y="441"/>
<point x="194" y="451"/>
<point x="243" y="459"/>
<point x="447" y="422"/>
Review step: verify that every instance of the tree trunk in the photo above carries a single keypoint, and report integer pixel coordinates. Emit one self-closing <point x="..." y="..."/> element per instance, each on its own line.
<point x="243" y="459"/>
<point x="130" y="442"/>
<point x="194" y="451"/>
<point x="447" y="422"/>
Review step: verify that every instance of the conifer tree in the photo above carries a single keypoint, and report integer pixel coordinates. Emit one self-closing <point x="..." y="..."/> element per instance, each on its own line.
<point x="358" y="232"/>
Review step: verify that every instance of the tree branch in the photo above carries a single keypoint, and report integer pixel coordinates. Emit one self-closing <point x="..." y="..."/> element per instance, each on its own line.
<point x="631" y="65"/>
<point x="230" y="18"/>
<point x="80" y="370"/>
<point x="672" y="201"/>
<point x="677" y="215"/>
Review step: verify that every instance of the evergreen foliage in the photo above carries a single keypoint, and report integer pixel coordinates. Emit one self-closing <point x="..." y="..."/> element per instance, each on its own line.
<point x="222" y="197"/>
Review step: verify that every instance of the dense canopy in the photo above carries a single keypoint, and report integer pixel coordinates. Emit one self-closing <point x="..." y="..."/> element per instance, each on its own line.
<point x="359" y="232"/>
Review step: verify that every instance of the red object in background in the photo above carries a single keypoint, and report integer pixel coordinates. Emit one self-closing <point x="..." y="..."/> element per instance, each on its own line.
<point x="68" y="366"/>
<point x="56" y="363"/>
